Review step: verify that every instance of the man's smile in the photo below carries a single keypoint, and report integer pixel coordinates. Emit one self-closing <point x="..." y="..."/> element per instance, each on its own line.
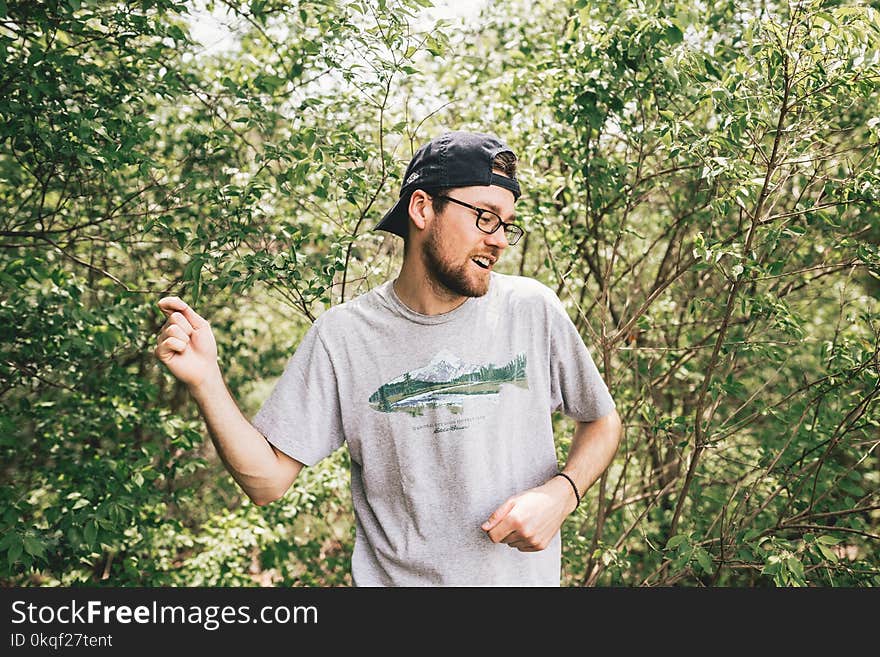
<point x="485" y="262"/>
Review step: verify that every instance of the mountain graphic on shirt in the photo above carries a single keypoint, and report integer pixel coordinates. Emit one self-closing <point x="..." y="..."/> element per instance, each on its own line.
<point x="447" y="381"/>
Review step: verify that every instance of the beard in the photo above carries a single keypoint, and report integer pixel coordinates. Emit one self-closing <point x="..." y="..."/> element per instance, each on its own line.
<point x="456" y="280"/>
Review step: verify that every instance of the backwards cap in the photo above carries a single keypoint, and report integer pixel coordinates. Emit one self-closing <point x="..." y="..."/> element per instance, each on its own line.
<point x="454" y="159"/>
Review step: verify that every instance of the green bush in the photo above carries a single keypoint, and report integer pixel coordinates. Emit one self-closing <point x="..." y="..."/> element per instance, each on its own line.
<point x="700" y="189"/>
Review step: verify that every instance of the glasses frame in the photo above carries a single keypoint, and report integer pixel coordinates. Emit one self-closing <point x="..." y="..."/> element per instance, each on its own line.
<point x="480" y="212"/>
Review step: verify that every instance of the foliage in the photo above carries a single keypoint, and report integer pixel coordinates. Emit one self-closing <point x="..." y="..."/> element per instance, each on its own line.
<point x="701" y="191"/>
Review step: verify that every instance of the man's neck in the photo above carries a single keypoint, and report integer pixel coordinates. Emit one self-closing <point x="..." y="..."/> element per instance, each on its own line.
<point x="420" y="292"/>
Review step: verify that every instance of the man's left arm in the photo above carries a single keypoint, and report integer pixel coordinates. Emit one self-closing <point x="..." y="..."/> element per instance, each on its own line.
<point x="529" y="520"/>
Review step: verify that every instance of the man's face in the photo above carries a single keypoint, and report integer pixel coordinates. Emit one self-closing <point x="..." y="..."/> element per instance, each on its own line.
<point x="453" y="243"/>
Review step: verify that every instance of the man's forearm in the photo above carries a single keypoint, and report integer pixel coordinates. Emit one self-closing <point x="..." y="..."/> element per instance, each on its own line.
<point x="245" y="452"/>
<point x="592" y="449"/>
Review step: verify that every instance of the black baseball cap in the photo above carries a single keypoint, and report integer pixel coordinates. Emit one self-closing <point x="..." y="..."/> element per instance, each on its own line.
<point x="454" y="159"/>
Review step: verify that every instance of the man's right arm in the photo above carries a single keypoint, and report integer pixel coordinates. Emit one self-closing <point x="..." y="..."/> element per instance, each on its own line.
<point x="262" y="471"/>
<point x="188" y="349"/>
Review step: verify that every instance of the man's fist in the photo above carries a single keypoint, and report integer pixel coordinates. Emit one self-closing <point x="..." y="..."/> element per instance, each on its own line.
<point x="186" y="344"/>
<point x="530" y="520"/>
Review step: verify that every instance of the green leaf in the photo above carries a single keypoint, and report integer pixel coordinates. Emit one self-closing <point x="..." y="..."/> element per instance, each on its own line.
<point x="751" y="535"/>
<point x="33" y="546"/>
<point x="827" y="552"/>
<point x="704" y="559"/>
<point x="710" y="69"/>
<point x="796" y="567"/>
<point x="772" y="567"/>
<point x="676" y="540"/>
<point x="8" y="539"/>
<point x="193" y="272"/>
<point x="673" y="34"/>
<point x="14" y="553"/>
<point x="851" y="488"/>
<point x="90" y="533"/>
<point x="776" y="267"/>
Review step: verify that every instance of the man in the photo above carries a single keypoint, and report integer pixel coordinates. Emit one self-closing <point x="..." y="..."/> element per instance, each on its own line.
<point x="441" y="383"/>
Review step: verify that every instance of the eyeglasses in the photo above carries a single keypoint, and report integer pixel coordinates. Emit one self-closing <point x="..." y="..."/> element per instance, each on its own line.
<point x="489" y="222"/>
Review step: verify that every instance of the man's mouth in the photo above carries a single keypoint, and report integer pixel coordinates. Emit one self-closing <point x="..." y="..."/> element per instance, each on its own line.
<point x="485" y="262"/>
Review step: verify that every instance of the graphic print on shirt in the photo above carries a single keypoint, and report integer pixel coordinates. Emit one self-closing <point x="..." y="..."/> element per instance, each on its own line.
<point x="447" y="381"/>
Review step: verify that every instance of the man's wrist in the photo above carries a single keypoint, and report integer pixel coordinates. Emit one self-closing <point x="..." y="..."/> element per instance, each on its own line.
<point x="566" y="493"/>
<point x="210" y="385"/>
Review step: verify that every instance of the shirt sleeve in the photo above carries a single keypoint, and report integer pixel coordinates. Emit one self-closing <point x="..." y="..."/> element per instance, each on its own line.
<point x="577" y="388"/>
<point x="302" y="415"/>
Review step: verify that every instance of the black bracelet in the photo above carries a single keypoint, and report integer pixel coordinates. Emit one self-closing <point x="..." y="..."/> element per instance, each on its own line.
<point x="577" y="495"/>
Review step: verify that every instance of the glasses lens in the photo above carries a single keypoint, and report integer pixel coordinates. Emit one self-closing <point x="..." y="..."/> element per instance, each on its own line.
<point x="513" y="233"/>
<point x="488" y="221"/>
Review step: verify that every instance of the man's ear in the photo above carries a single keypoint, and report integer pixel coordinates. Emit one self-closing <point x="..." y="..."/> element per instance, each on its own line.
<point x="420" y="210"/>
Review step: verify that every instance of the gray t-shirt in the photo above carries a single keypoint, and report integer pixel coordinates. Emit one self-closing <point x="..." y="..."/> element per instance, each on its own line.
<point x="445" y="417"/>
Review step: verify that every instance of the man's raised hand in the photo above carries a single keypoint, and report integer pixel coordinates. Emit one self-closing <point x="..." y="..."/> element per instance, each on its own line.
<point x="186" y="344"/>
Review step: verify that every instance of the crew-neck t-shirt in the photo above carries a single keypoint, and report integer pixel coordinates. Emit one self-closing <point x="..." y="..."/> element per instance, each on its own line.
<point x="445" y="417"/>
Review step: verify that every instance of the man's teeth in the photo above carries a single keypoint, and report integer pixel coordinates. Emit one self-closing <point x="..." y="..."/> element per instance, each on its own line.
<point x="483" y="262"/>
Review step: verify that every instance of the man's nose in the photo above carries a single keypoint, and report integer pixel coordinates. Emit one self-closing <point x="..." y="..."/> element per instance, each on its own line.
<point x="498" y="239"/>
